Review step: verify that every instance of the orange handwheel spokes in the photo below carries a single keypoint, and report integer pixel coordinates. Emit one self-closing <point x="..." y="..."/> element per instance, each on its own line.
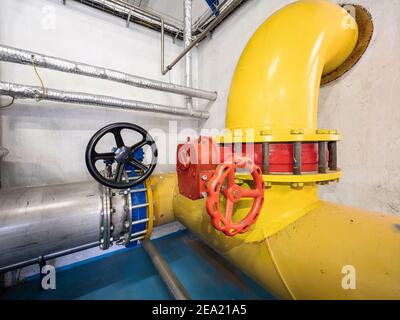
<point x="233" y="193"/>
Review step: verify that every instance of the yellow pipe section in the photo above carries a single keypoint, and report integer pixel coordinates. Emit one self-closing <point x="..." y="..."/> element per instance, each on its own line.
<point x="300" y="247"/>
<point x="276" y="83"/>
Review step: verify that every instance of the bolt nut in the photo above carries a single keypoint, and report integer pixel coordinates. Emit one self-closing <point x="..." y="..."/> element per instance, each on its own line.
<point x="204" y="194"/>
<point x="101" y="240"/>
<point x="204" y="177"/>
<point x="111" y="227"/>
<point x="101" y="228"/>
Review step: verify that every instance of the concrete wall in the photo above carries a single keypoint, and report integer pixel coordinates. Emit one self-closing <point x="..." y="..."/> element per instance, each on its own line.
<point x="47" y="140"/>
<point x="363" y="104"/>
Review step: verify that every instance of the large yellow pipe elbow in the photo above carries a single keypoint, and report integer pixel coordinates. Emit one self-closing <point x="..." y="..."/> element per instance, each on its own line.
<point x="276" y="83"/>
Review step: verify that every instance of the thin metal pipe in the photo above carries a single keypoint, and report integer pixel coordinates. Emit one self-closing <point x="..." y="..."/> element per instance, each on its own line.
<point x="20" y="56"/>
<point x="187" y="39"/>
<point x="131" y="6"/>
<point x="139" y="14"/>
<point x="170" y="279"/>
<point x="202" y="35"/>
<point x="34" y="92"/>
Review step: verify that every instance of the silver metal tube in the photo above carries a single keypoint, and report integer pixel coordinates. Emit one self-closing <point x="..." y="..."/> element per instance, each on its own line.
<point x="137" y="13"/>
<point x="34" y="92"/>
<point x="202" y="35"/>
<point x="37" y="221"/>
<point x="20" y="56"/>
<point x="173" y="284"/>
<point x="187" y="39"/>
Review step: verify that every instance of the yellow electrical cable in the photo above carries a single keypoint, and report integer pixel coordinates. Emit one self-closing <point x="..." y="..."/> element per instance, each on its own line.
<point x="40" y="79"/>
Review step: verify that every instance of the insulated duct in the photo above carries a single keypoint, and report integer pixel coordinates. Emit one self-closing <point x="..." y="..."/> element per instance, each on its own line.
<point x="20" y="56"/>
<point x="20" y="91"/>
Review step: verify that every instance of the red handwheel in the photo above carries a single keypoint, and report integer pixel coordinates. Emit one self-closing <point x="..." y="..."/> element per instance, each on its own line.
<point x="233" y="194"/>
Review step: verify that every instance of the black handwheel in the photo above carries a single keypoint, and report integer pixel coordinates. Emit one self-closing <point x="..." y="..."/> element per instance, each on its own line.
<point x="122" y="156"/>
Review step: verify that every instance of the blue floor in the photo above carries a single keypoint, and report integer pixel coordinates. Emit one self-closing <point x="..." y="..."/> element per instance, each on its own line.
<point x="129" y="274"/>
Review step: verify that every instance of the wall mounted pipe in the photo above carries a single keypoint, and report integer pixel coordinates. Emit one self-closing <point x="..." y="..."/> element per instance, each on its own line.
<point x="132" y="13"/>
<point x="20" y="56"/>
<point x="203" y="34"/>
<point x="187" y="39"/>
<point x="160" y="18"/>
<point x="20" y="91"/>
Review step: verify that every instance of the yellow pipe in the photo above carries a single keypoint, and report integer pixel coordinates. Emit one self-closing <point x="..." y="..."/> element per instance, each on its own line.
<point x="163" y="188"/>
<point x="300" y="246"/>
<point x="276" y="83"/>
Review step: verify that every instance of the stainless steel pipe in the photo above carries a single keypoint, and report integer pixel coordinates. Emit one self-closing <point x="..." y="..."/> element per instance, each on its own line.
<point x="187" y="39"/>
<point x="20" y="56"/>
<point x="202" y="35"/>
<point x="33" y="92"/>
<point x="36" y="221"/>
<point x="170" y="279"/>
<point x="121" y="8"/>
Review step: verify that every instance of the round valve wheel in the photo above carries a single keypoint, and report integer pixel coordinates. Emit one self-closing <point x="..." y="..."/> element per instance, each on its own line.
<point x="122" y="156"/>
<point x="233" y="193"/>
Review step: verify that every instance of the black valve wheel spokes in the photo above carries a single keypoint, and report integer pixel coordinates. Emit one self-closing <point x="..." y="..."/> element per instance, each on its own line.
<point x="123" y="156"/>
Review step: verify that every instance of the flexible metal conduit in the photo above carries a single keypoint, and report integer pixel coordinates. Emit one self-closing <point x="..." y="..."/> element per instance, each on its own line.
<point x="20" y="56"/>
<point x="33" y="92"/>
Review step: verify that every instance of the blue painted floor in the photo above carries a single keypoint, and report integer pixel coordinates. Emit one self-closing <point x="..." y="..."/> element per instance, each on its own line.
<point x="129" y="274"/>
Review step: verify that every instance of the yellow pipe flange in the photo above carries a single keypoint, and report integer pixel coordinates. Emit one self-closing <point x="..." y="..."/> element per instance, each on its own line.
<point x="333" y="176"/>
<point x="294" y="135"/>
